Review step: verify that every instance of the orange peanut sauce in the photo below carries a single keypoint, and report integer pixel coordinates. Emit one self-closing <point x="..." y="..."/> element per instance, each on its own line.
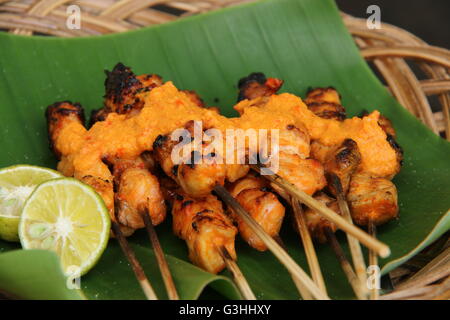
<point x="166" y="109"/>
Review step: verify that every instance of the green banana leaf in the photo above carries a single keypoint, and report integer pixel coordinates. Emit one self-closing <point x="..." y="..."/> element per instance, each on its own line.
<point x="303" y="42"/>
<point x="20" y="280"/>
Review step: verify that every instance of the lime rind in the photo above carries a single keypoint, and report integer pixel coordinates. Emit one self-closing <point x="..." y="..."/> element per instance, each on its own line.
<point x="77" y="237"/>
<point x="16" y="184"/>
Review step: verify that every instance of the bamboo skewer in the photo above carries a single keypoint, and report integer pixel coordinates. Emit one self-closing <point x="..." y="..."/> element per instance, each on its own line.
<point x="373" y="261"/>
<point x="311" y="256"/>
<point x="135" y="265"/>
<point x="353" y="243"/>
<point x="271" y="244"/>
<point x="304" y="293"/>
<point x="160" y="258"/>
<point x="238" y="277"/>
<point x="382" y="249"/>
<point x="345" y="264"/>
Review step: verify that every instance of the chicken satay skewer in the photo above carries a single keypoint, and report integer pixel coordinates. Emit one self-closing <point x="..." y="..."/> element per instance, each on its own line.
<point x="339" y="165"/>
<point x="160" y="258"/>
<point x="380" y="193"/>
<point x="63" y="114"/>
<point x="137" y="191"/>
<point x="208" y="232"/>
<point x="257" y="85"/>
<point x="294" y="141"/>
<point x="379" y="247"/>
<point x="202" y="178"/>
<point x="310" y="251"/>
<point x="253" y="194"/>
<point x="271" y="244"/>
<point x="121" y="86"/>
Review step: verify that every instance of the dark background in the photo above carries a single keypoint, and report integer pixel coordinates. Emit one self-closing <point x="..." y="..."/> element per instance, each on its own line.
<point x="427" y="19"/>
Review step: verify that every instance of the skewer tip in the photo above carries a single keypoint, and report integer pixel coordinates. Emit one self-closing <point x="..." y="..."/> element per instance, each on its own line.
<point x="385" y="252"/>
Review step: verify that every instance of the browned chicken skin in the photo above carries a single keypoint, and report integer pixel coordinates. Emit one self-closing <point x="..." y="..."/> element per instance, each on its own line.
<point x="326" y="103"/>
<point x="257" y="85"/>
<point x="122" y="92"/>
<point x="196" y="179"/>
<point x="316" y="223"/>
<point x="341" y="164"/>
<point x="205" y="228"/>
<point x="122" y="87"/>
<point x="294" y="141"/>
<point x="253" y="195"/>
<point x="138" y="192"/>
<point x="372" y="199"/>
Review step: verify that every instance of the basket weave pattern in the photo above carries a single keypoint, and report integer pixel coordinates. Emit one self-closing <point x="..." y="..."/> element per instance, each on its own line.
<point x="392" y="50"/>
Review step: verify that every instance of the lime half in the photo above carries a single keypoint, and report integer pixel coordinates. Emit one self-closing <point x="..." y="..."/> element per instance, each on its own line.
<point x="68" y="217"/>
<point x="16" y="185"/>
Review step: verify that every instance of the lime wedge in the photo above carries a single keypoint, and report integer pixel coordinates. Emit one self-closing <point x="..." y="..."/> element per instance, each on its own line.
<point x="68" y="217"/>
<point x="16" y="185"/>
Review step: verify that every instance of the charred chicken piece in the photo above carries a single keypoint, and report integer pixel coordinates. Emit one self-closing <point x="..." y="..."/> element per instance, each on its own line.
<point x="122" y="86"/>
<point x="253" y="195"/>
<point x="198" y="172"/>
<point x="257" y="85"/>
<point x="139" y="193"/>
<point x="205" y="228"/>
<point x="341" y="164"/>
<point x="325" y="103"/>
<point x="372" y="199"/>
<point x="316" y="223"/>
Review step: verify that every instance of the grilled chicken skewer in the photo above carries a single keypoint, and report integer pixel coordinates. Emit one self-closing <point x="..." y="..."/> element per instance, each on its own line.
<point x="340" y="164"/>
<point x="84" y="150"/>
<point x="139" y="199"/>
<point x="382" y="193"/>
<point x="138" y="193"/>
<point x="253" y="194"/>
<point x="68" y="114"/>
<point x="262" y="88"/>
<point x="372" y="198"/>
<point x="326" y="104"/>
<point x="294" y="147"/>
<point x="83" y="157"/>
<point x="199" y="179"/>
<point x="208" y="231"/>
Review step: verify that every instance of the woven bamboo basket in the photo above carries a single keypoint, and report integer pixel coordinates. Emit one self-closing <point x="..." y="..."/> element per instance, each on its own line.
<point x="395" y="54"/>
